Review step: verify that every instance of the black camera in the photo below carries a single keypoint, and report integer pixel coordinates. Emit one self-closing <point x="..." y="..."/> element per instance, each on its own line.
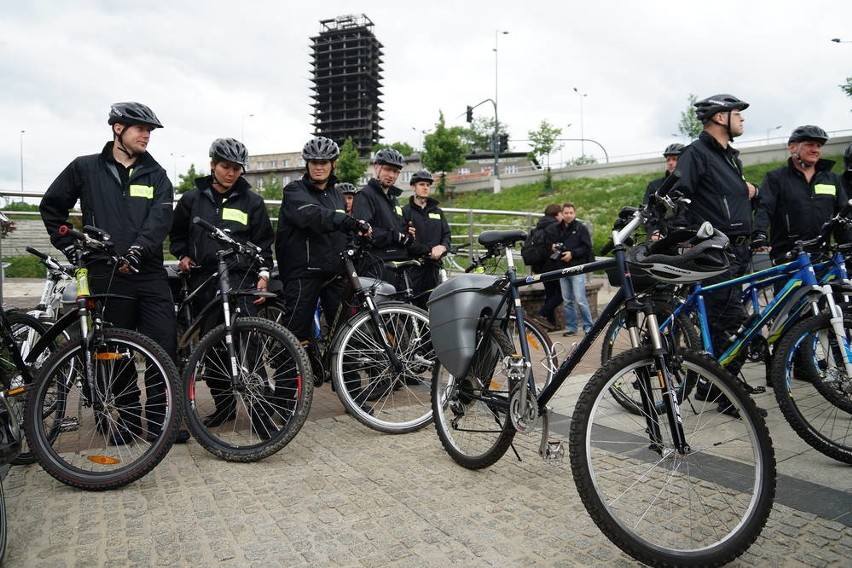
<point x="560" y="248"/>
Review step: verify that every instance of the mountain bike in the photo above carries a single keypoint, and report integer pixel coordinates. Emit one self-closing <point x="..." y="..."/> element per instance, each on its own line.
<point x="680" y="484"/>
<point x="103" y="412"/>
<point x="247" y="385"/>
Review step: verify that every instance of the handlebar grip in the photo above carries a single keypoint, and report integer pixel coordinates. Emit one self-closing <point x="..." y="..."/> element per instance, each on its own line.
<point x="66" y="231"/>
<point x="37" y="253"/>
<point x="670" y="181"/>
<point x="199" y="221"/>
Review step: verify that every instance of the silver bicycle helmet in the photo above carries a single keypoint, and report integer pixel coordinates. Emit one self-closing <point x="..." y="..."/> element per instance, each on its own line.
<point x="673" y="149"/>
<point x="683" y="256"/>
<point x="390" y="157"/>
<point x="130" y="113"/>
<point x="346" y="187"/>
<point x="229" y="150"/>
<point x="706" y="109"/>
<point x="421" y="175"/>
<point x="808" y="132"/>
<point x="321" y="148"/>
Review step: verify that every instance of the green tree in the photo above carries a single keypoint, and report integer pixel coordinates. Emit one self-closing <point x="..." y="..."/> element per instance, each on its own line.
<point x="583" y="160"/>
<point x="543" y="143"/>
<point x="689" y="124"/>
<point x="847" y="87"/>
<point x="401" y="147"/>
<point x="350" y="168"/>
<point x="478" y="135"/>
<point x="187" y="180"/>
<point x="444" y="150"/>
<point x="271" y="189"/>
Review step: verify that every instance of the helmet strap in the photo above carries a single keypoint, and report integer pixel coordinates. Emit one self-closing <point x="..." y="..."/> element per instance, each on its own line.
<point x="119" y="142"/>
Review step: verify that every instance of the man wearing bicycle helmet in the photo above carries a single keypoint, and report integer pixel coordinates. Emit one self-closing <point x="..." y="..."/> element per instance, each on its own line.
<point x="711" y="177"/>
<point x="225" y="200"/>
<point x="377" y="204"/>
<point x="798" y="198"/>
<point x="671" y="153"/>
<point x="125" y="192"/>
<point x="349" y="191"/>
<point x="313" y="229"/>
<point x="432" y="233"/>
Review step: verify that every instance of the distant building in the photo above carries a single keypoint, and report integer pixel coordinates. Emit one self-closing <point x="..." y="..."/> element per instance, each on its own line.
<point x="347" y="69"/>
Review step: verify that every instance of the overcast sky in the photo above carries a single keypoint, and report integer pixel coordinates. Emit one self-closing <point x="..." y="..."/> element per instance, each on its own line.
<point x="205" y="66"/>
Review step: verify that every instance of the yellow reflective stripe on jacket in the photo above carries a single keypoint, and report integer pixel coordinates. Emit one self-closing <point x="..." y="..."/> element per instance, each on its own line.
<point x="235" y="215"/>
<point x="399" y="210"/>
<point x="146" y="191"/>
<point x="825" y="189"/>
<point x="434" y="216"/>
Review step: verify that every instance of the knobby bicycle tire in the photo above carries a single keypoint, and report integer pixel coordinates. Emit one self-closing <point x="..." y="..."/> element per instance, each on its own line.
<point x="705" y="506"/>
<point x="115" y="434"/>
<point x="812" y="388"/>
<point x="4" y="522"/>
<point x="363" y="375"/>
<point x="472" y="412"/>
<point x="260" y="416"/>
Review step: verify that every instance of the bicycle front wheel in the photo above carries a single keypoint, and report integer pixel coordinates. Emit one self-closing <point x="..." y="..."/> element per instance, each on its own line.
<point x="472" y="412"/>
<point x="262" y="411"/>
<point x="115" y="414"/>
<point x="704" y="505"/>
<point x="813" y="387"/>
<point x="394" y="401"/>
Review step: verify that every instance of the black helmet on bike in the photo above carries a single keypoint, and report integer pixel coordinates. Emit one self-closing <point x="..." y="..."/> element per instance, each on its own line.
<point x="390" y="157"/>
<point x="808" y="132"/>
<point x="131" y="113"/>
<point x="683" y="256"/>
<point x="321" y="148"/>
<point x="706" y="109"/>
<point x="347" y="188"/>
<point x="421" y="175"/>
<point x="674" y="149"/>
<point x="229" y="150"/>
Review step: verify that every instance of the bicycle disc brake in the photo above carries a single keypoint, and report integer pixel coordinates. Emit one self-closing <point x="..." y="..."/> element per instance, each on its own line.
<point x="523" y="407"/>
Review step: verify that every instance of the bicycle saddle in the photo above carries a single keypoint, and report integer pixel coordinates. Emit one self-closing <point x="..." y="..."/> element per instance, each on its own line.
<point x="507" y="238"/>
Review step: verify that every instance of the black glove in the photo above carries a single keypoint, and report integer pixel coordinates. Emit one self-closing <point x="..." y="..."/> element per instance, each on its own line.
<point x="404" y="239"/>
<point x="349" y="224"/>
<point x="133" y="256"/>
<point x="70" y="253"/>
<point x="759" y="240"/>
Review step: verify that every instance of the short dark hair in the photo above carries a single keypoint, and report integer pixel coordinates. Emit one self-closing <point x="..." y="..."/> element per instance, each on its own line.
<point x="569" y="204"/>
<point x="552" y="210"/>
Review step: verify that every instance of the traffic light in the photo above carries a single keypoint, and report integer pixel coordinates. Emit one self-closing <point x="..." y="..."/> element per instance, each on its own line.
<point x="504" y="142"/>
<point x="469" y="113"/>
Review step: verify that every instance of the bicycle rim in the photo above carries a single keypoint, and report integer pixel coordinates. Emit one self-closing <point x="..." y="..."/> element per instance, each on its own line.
<point x="542" y="353"/>
<point x="471" y="412"/>
<point x="394" y="402"/>
<point x="662" y="507"/>
<point x="110" y="431"/>
<point x="264" y="412"/>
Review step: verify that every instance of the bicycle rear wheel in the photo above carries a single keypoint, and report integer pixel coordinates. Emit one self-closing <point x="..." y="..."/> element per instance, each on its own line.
<point x="114" y="426"/>
<point x="472" y="412"/>
<point x="386" y="400"/>
<point x="812" y="387"/>
<point x="705" y="506"/>
<point x="542" y="352"/>
<point x="264" y="412"/>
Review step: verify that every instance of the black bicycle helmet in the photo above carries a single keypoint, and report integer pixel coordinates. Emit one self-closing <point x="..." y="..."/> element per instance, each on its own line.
<point x="390" y="157"/>
<point x="808" y="132"/>
<point x="229" y="150"/>
<point x="130" y="113"/>
<point x="706" y="109"/>
<point x="421" y="175"/>
<point x="847" y="157"/>
<point x="674" y="149"/>
<point x="683" y="256"/>
<point x="348" y="188"/>
<point x="321" y="148"/>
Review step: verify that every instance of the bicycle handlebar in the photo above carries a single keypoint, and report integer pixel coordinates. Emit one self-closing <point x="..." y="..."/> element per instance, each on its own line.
<point x="248" y="248"/>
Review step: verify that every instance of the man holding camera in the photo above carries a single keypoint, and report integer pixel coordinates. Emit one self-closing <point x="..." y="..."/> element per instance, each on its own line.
<point x="572" y="245"/>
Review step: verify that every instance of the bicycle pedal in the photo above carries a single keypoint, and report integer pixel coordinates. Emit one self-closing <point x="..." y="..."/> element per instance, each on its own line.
<point x="70" y="424"/>
<point x="554" y="452"/>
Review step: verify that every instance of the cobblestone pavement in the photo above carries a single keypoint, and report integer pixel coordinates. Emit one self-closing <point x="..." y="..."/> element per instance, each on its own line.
<point x="343" y="495"/>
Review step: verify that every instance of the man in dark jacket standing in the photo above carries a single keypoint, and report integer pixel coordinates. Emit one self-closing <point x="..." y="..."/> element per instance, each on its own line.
<point x="225" y="200"/>
<point x="572" y="247"/>
<point x="377" y="204"/>
<point x="312" y="232"/>
<point x="846" y="177"/>
<point x="432" y="232"/>
<point x="546" y="317"/>
<point x="125" y="192"/>
<point x="671" y="154"/>
<point x="797" y="199"/>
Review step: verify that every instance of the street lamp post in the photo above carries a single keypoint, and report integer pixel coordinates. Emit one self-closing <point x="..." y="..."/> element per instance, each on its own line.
<point x="582" y="135"/>
<point x="495" y="139"/>
<point x="769" y="130"/>
<point x="22" y="164"/>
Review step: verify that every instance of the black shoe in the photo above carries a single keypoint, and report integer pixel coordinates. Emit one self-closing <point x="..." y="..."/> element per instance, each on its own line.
<point x="122" y="438"/>
<point x="543" y="322"/>
<point x="183" y="437"/>
<point x="725" y="407"/>
<point x="569" y="333"/>
<point x="219" y="417"/>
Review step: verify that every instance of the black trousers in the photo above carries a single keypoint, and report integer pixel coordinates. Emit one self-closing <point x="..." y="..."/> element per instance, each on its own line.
<point x="300" y="302"/>
<point x="725" y="311"/>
